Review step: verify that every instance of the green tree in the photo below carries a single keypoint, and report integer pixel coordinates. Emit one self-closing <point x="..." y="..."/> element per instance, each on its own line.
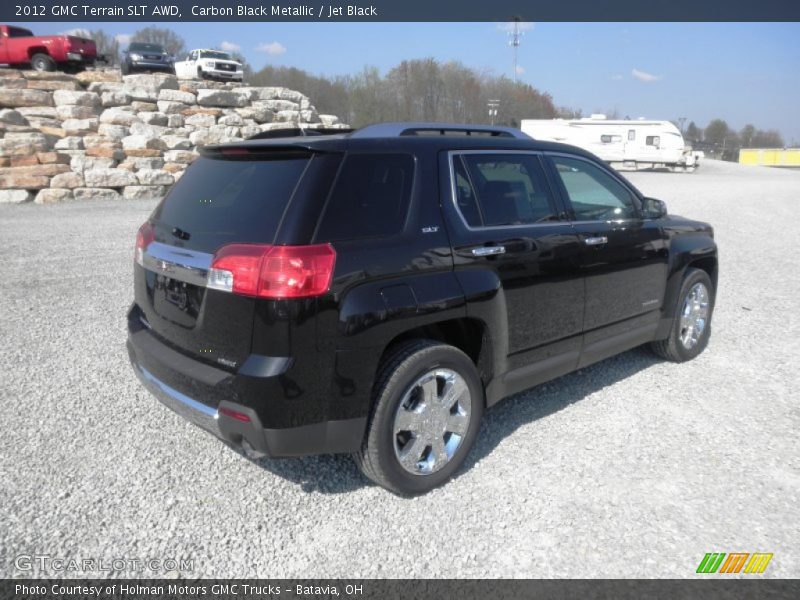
<point x="767" y="139"/>
<point x="693" y="132"/>
<point x="415" y="90"/>
<point x="370" y="101"/>
<point x="717" y="132"/>
<point x="746" y="135"/>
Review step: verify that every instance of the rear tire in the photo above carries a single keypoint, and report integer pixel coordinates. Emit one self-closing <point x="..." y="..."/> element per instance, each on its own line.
<point x="428" y="405"/>
<point x="42" y="62"/>
<point x="691" y="327"/>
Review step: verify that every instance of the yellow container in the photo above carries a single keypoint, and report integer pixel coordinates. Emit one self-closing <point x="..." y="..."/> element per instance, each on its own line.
<point x="770" y="157"/>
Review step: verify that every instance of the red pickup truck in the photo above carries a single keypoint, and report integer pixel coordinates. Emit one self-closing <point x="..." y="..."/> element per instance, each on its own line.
<point x="19" y="47"/>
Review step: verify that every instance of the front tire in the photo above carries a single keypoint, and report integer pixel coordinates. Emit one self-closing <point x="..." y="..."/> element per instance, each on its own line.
<point x="691" y="327"/>
<point x="428" y="405"/>
<point x="42" y="62"/>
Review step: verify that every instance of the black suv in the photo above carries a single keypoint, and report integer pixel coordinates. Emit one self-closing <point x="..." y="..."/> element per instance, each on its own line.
<point x="144" y="56"/>
<point x="374" y="292"/>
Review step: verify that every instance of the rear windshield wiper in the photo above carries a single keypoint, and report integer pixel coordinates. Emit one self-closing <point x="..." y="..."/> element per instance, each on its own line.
<point x="180" y="233"/>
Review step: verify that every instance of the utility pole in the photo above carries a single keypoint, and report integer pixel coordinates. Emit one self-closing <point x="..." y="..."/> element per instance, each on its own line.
<point x="515" y="40"/>
<point x="681" y="121"/>
<point x="493" y="105"/>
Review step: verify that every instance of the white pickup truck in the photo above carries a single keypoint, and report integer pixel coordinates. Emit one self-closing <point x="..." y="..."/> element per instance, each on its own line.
<point x="209" y="64"/>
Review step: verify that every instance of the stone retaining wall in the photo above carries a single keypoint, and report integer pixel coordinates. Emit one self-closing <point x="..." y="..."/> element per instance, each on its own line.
<point x="101" y="135"/>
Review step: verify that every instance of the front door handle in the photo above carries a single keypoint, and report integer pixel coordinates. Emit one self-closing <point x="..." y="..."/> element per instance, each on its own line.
<point x="595" y="240"/>
<point x="488" y="250"/>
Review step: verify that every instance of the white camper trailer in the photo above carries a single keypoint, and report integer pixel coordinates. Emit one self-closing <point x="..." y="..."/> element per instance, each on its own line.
<point x="627" y="145"/>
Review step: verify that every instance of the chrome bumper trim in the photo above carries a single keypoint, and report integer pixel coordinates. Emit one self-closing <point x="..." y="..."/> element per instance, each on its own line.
<point x="176" y="395"/>
<point x="184" y="265"/>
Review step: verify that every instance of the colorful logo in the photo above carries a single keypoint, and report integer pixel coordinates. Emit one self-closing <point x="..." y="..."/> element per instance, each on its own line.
<point x="734" y="563"/>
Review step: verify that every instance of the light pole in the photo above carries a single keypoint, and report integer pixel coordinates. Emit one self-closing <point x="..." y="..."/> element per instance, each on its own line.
<point x="493" y="105"/>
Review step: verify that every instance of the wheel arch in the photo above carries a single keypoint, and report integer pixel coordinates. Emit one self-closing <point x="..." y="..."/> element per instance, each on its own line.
<point x="468" y="334"/>
<point x="33" y="50"/>
<point x="687" y="252"/>
<point x="709" y="264"/>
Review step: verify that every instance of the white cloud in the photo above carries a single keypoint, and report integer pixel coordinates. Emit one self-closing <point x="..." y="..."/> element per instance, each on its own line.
<point x="645" y="76"/>
<point x="77" y="32"/>
<point x="520" y="70"/>
<point x="230" y="47"/>
<point x="616" y="77"/>
<point x="123" y="38"/>
<point x="271" y="48"/>
<point x="508" y="26"/>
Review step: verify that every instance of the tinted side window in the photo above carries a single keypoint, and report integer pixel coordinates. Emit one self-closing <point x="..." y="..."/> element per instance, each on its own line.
<point x="510" y="189"/>
<point x="594" y="194"/>
<point x="15" y="32"/>
<point x="370" y="197"/>
<point x="465" y="195"/>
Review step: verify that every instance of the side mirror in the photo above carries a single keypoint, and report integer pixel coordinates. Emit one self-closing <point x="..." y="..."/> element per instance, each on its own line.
<point x="653" y="208"/>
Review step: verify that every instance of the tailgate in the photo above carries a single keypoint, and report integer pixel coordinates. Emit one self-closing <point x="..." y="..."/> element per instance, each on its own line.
<point x="86" y="47"/>
<point x="217" y="202"/>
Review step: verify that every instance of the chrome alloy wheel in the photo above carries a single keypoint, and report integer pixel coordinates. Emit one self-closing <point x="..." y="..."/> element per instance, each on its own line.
<point x="431" y="421"/>
<point x="694" y="316"/>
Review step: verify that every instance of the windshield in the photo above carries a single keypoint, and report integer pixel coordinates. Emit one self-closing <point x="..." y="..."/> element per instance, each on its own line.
<point x="142" y="47"/>
<point x="217" y="55"/>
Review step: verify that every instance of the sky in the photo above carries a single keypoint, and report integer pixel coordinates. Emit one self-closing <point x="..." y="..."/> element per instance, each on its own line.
<point x="741" y="72"/>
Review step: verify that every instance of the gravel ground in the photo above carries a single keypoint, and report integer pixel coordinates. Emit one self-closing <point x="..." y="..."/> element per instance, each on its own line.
<point x="633" y="467"/>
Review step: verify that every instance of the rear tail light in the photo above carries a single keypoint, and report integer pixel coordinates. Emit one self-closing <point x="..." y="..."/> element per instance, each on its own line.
<point x="273" y="271"/>
<point x="144" y="236"/>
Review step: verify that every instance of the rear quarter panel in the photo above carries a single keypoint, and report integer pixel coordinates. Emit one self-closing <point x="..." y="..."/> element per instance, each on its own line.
<point x="384" y="287"/>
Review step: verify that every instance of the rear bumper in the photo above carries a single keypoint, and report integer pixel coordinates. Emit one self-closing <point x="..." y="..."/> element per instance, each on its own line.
<point x="327" y="437"/>
<point x="79" y="57"/>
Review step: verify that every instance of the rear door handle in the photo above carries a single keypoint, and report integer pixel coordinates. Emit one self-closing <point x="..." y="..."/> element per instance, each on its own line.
<point x="488" y="250"/>
<point x="596" y="240"/>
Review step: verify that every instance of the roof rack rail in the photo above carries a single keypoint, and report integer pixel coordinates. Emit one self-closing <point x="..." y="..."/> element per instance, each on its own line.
<point x="420" y="129"/>
<point x="297" y="132"/>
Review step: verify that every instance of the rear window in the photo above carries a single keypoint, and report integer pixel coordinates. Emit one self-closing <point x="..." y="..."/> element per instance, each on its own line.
<point x="219" y="202"/>
<point x="370" y="197"/>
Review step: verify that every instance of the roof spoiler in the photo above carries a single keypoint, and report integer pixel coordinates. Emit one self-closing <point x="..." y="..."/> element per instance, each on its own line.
<point x="289" y="132"/>
<point x="232" y="150"/>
